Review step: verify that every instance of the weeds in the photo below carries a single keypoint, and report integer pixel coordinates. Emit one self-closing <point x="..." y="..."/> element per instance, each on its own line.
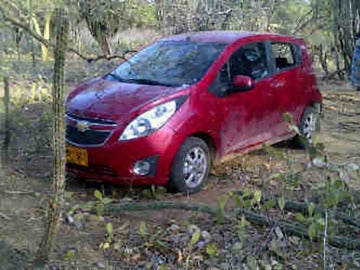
<point x="39" y="132"/>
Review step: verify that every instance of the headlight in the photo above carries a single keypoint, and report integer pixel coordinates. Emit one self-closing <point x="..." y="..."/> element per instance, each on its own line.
<point x="150" y="120"/>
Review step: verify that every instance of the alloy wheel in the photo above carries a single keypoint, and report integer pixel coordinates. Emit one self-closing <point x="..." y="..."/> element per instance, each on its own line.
<point x="309" y="127"/>
<point x="195" y="167"/>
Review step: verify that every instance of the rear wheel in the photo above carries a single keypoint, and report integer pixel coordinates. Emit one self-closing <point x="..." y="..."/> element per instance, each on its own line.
<point x="308" y="127"/>
<point x="191" y="166"/>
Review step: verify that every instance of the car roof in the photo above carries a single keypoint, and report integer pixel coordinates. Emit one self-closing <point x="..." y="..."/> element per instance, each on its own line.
<point x="226" y="37"/>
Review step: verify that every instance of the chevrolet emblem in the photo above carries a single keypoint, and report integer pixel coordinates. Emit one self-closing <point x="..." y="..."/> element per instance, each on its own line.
<point x="82" y="126"/>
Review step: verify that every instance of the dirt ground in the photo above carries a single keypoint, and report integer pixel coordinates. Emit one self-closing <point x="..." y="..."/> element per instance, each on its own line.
<point x="26" y="182"/>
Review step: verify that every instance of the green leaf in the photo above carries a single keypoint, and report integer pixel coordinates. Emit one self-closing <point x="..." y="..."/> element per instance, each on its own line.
<point x="247" y="193"/>
<point x="161" y="190"/>
<point x="338" y="184"/>
<point x="211" y="250"/>
<point x="296" y="129"/>
<point x="153" y="191"/>
<point x="253" y="263"/>
<point x="275" y="176"/>
<point x="147" y="194"/>
<point x="161" y="245"/>
<point x="287" y="117"/>
<point x="107" y="200"/>
<point x="222" y="201"/>
<point x="219" y="215"/>
<point x="142" y="229"/>
<point x="269" y="204"/>
<point x="238" y="200"/>
<point x="257" y="196"/>
<point x="87" y="206"/>
<point x="109" y="228"/>
<point x="321" y="221"/>
<point x="99" y="209"/>
<point x="105" y="245"/>
<point x="300" y="217"/>
<point x="311" y="208"/>
<point x="312" y="151"/>
<point x="195" y="237"/>
<point x="98" y="195"/>
<point x="247" y="204"/>
<point x="312" y="231"/>
<point x="281" y="203"/>
<point x="69" y="255"/>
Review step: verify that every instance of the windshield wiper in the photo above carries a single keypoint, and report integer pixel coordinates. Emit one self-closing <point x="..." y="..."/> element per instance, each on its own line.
<point x="116" y="77"/>
<point x="140" y="81"/>
<point x="148" y="81"/>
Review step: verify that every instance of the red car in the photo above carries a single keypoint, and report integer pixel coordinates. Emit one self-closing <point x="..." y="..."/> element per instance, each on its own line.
<point x="184" y="102"/>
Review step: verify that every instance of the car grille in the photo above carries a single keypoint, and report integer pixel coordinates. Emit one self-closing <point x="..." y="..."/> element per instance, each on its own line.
<point x="92" y="120"/>
<point x="89" y="137"/>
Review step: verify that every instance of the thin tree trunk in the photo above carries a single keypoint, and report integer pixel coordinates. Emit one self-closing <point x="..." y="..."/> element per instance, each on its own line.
<point x="323" y="62"/>
<point x="6" y="142"/>
<point x="56" y="201"/>
<point x="45" y="34"/>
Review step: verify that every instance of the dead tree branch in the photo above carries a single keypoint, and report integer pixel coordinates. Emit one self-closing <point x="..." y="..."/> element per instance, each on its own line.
<point x="301" y="24"/>
<point x="49" y="44"/>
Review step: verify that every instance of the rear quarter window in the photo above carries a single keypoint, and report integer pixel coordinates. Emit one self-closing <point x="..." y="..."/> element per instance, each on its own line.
<point x="286" y="55"/>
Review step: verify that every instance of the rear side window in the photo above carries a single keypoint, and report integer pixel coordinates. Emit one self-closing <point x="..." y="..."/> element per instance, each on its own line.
<point x="286" y="55"/>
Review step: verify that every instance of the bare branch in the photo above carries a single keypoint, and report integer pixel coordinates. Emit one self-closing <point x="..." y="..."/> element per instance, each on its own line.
<point x="100" y="57"/>
<point x="47" y="43"/>
<point x="26" y="28"/>
<point x="301" y="24"/>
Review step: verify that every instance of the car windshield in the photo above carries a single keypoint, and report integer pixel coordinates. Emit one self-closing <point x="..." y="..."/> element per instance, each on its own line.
<point x="171" y="63"/>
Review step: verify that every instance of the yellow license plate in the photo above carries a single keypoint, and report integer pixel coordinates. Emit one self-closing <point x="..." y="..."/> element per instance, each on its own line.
<point x="76" y="155"/>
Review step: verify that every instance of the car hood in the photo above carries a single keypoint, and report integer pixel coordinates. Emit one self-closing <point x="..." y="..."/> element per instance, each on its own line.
<point x="106" y="99"/>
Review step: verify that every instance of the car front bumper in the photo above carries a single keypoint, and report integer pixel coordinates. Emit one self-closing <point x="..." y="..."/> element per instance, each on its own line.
<point x="114" y="161"/>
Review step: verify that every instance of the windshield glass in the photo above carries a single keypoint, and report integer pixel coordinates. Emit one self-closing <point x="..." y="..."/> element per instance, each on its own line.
<point x="172" y="63"/>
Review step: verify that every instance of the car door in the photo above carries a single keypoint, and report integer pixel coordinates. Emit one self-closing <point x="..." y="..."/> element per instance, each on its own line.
<point x="285" y="84"/>
<point x="246" y="121"/>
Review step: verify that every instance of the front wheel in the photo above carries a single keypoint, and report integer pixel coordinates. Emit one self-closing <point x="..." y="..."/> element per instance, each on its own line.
<point x="191" y="166"/>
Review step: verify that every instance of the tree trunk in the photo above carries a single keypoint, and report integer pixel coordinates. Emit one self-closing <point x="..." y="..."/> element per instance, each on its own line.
<point x="56" y="201"/>
<point x="45" y="35"/>
<point x="105" y="44"/>
<point x="323" y="62"/>
<point x="6" y="142"/>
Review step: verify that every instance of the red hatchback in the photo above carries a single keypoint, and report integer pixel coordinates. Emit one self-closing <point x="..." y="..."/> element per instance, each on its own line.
<point x="186" y="101"/>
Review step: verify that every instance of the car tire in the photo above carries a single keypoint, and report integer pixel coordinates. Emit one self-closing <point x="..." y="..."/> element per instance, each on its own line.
<point x="190" y="167"/>
<point x="308" y="127"/>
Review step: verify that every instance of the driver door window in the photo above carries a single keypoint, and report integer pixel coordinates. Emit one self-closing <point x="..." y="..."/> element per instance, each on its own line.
<point x="250" y="60"/>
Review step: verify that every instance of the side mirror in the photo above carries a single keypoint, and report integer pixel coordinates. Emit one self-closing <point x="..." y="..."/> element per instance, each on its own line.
<point x="242" y="83"/>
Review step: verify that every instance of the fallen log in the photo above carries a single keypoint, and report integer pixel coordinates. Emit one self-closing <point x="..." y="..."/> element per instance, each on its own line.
<point x="299" y="230"/>
<point x="302" y="207"/>
<point x="258" y="219"/>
